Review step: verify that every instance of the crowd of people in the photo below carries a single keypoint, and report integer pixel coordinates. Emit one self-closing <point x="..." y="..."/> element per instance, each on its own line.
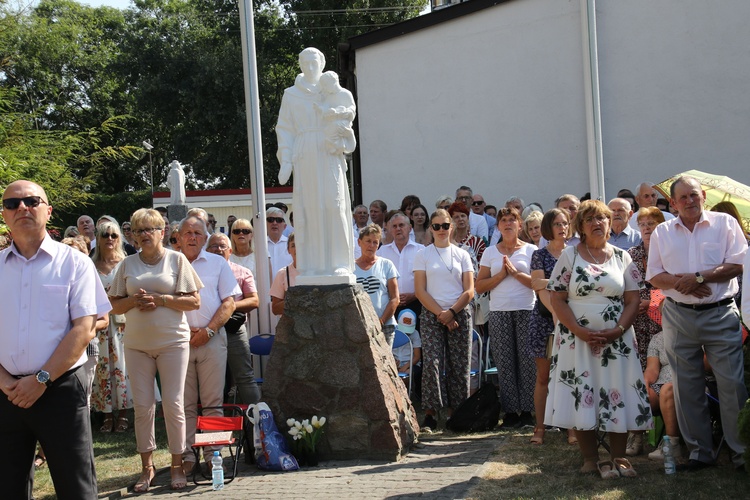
<point x="595" y="315"/>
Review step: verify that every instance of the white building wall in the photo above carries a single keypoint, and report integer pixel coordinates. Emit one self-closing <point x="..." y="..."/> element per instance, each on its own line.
<point x="495" y="100"/>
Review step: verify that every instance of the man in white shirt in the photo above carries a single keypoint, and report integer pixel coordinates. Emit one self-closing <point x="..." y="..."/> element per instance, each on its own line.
<point x="477" y="224"/>
<point x="646" y="196"/>
<point x="48" y="312"/>
<point x="360" y="217"/>
<point x="695" y="259"/>
<point x="478" y="207"/>
<point x="401" y="252"/>
<point x="277" y="252"/>
<point x="207" y="363"/>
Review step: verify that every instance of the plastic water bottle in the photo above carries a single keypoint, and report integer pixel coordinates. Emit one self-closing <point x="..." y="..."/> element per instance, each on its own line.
<point x="217" y="472"/>
<point x="666" y="450"/>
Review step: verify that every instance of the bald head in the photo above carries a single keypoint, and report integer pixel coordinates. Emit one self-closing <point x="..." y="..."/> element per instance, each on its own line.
<point x="26" y="211"/>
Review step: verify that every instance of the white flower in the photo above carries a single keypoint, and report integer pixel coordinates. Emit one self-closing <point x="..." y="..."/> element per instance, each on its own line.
<point x="294" y="432"/>
<point x="305" y="422"/>
<point x="290" y="422"/>
<point x="297" y="437"/>
<point x="322" y="421"/>
<point x="298" y="425"/>
<point x="309" y="429"/>
<point x="314" y="421"/>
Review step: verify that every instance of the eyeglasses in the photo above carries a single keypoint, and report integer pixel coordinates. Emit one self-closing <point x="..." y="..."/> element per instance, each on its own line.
<point x="598" y="219"/>
<point x="444" y="207"/>
<point x="28" y="201"/>
<point x="560" y="224"/>
<point x="477" y="203"/>
<point x="110" y="236"/>
<point x="242" y="231"/>
<point x="212" y="221"/>
<point x="444" y="226"/>
<point x="147" y="230"/>
<point x="271" y="220"/>
<point x="221" y="248"/>
<point x="173" y="240"/>
<point x="126" y="229"/>
<point x="647" y="225"/>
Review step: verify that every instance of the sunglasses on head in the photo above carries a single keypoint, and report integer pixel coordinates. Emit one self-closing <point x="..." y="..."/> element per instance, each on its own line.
<point x="275" y="219"/>
<point x="110" y="236"/>
<point x="242" y="231"/>
<point x="28" y="201"/>
<point x="444" y="225"/>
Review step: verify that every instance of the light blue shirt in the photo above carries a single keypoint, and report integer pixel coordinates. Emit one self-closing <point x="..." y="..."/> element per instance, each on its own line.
<point x="629" y="237"/>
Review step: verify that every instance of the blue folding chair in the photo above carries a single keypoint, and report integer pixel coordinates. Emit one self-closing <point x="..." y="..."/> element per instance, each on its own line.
<point x="400" y="339"/>
<point x="261" y="345"/>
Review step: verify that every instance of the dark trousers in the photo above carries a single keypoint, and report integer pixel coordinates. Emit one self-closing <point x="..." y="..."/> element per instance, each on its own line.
<point x="59" y="420"/>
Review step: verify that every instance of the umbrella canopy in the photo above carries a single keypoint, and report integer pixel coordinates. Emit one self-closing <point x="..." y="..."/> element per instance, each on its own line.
<point x="718" y="188"/>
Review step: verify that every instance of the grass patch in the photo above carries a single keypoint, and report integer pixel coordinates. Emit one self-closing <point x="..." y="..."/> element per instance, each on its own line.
<point x="118" y="464"/>
<point x="520" y="470"/>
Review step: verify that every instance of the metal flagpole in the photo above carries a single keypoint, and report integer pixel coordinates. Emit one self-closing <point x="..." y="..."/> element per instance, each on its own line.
<point x="257" y="181"/>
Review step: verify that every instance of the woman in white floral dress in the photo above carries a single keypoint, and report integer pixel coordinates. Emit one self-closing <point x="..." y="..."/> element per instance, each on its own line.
<point x="596" y="383"/>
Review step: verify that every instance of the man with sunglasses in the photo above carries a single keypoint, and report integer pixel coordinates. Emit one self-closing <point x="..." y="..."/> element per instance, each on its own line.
<point x="277" y="252"/>
<point x="478" y="206"/>
<point x="47" y="321"/>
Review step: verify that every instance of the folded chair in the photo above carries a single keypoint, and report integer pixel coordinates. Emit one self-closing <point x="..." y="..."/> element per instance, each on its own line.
<point x="228" y="431"/>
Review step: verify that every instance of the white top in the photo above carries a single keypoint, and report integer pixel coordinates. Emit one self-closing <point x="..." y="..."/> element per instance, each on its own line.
<point x="715" y="239"/>
<point x="746" y="286"/>
<point x="248" y="261"/>
<point x="41" y="298"/>
<point x="510" y="294"/>
<point x="404" y="262"/>
<point x="633" y="222"/>
<point x="478" y="226"/>
<point x="278" y="254"/>
<point x="164" y="326"/>
<point x="218" y="284"/>
<point x="375" y="283"/>
<point x="444" y="269"/>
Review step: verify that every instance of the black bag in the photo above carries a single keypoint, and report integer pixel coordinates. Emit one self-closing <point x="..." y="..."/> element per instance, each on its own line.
<point x="543" y="311"/>
<point x="479" y="413"/>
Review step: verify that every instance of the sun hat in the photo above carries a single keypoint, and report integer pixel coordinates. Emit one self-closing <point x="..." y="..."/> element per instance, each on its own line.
<point x="407" y="321"/>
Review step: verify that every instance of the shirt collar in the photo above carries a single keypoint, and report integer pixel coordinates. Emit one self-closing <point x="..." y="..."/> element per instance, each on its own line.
<point x="48" y="246"/>
<point x="703" y="218"/>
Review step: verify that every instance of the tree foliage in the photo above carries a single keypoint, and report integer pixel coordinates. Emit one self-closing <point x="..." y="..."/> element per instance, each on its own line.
<point x="167" y="71"/>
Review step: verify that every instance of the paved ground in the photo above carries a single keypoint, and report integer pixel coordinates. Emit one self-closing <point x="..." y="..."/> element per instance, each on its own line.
<point x="444" y="467"/>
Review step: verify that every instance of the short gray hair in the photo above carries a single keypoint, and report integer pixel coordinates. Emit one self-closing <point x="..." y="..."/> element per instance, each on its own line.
<point x="275" y="211"/>
<point x="187" y="219"/>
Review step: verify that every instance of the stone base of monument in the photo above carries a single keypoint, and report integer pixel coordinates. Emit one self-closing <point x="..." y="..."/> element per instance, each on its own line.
<point x="176" y="213"/>
<point x="347" y="279"/>
<point x="330" y="359"/>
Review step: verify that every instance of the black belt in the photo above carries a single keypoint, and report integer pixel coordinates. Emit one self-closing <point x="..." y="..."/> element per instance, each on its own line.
<point x="61" y="377"/>
<point x="702" y="307"/>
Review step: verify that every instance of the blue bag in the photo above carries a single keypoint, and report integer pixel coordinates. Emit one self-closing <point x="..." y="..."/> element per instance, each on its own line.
<point x="271" y="450"/>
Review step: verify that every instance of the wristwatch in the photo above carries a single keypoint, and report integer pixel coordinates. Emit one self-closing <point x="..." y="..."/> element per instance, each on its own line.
<point x="43" y="378"/>
<point x="699" y="278"/>
<point x="210" y="332"/>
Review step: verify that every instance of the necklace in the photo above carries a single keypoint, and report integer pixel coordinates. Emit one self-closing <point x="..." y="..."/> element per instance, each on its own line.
<point x="154" y="261"/>
<point x="450" y="269"/>
<point x="595" y="260"/>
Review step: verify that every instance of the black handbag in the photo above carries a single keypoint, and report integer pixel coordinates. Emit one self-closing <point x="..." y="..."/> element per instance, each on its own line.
<point x="543" y="311"/>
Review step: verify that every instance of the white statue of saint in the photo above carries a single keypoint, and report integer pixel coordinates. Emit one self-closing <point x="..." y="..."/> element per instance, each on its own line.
<point x="314" y="132"/>
<point x="176" y="184"/>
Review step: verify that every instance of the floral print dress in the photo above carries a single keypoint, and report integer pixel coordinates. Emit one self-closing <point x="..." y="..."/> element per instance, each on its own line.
<point x="596" y="387"/>
<point x="111" y="389"/>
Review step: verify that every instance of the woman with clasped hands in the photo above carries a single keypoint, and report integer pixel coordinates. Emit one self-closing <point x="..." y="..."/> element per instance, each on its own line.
<point x="153" y="289"/>
<point x="596" y="383"/>
<point x="444" y="284"/>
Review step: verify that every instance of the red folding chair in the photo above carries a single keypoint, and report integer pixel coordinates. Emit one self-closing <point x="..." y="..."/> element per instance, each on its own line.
<point x="228" y="430"/>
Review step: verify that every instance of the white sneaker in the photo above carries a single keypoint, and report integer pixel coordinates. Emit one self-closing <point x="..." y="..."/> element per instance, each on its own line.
<point x="635" y="445"/>
<point x="676" y="450"/>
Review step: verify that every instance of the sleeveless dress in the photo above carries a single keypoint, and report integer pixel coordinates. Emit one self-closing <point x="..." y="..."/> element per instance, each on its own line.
<point x="111" y="389"/>
<point x="596" y="388"/>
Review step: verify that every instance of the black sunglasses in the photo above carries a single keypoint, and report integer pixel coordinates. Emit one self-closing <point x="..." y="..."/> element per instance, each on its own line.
<point x="111" y="236"/>
<point x="275" y="219"/>
<point x="477" y="203"/>
<point x="173" y="240"/>
<point x="444" y="225"/>
<point x="29" y="201"/>
<point x="242" y="231"/>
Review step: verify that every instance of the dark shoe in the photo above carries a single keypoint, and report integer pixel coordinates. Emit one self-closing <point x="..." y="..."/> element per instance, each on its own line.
<point x="511" y="421"/>
<point x="429" y="424"/>
<point x="526" y="420"/>
<point x="693" y="466"/>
